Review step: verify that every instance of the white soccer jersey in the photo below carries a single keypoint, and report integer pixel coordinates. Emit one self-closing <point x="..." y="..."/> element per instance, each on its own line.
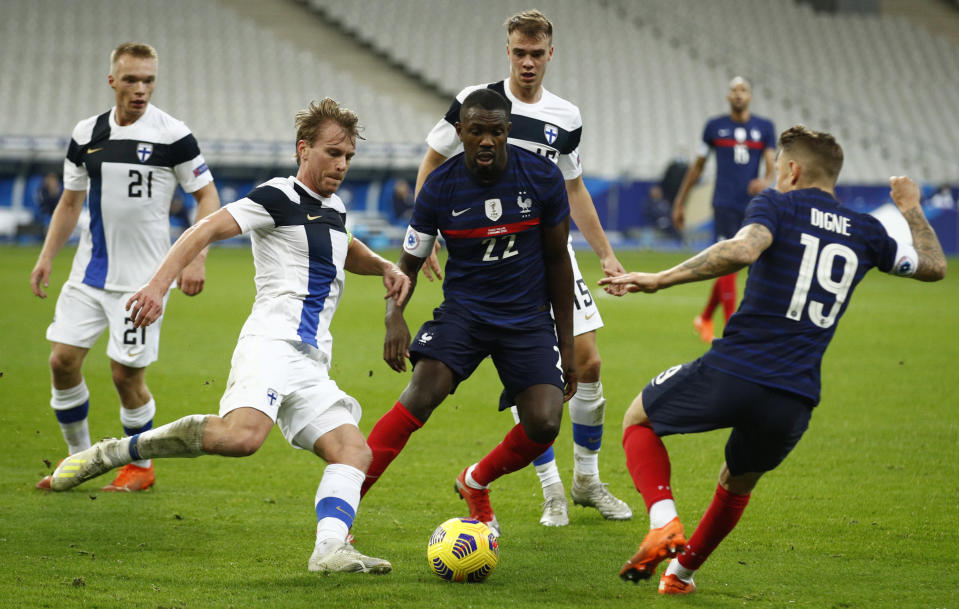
<point x="551" y="127"/>
<point x="130" y="174"/>
<point x="300" y="244"/>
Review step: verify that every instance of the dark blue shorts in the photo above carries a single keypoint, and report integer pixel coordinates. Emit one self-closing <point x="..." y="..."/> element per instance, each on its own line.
<point x="523" y="358"/>
<point x="767" y="422"/>
<point x="727" y="222"/>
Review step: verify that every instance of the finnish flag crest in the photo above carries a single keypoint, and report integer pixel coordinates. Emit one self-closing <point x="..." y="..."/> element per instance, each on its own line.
<point x="550" y="132"/>
<point x="144" y="151"/>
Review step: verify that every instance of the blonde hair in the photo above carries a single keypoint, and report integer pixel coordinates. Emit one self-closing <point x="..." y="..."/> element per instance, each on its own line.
<point x="531" y="23"/>
<point x="310" y="121"/>
<point x="140" y="50"/>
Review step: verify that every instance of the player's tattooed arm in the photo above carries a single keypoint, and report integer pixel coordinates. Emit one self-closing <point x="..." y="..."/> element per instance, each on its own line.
<point x="717" y="260"/>
<point x="932" y="260"/>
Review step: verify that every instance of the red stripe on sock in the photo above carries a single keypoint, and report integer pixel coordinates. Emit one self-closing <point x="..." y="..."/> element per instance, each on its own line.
<point x="387" y="439"/>
<point x="515" y="452"/>
<point x="648" y="463"/>
<point x="721" y="518"/>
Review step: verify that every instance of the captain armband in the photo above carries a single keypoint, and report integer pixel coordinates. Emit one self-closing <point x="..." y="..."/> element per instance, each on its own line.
<point x="907" y="260"/>
<point x="418" y="244"/>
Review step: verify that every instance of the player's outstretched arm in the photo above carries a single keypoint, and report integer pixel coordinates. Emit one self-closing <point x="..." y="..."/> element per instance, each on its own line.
<point x="62" y="223"/>
<point x="717" y="260"/>
<point x="679" y="203"/>
<point x="193" y="276"/>
<point x="559" y="281"/>
<point x="583" y="212"/>
<point x="396" y="345"/>
<point x="431" y="161"/>
<point x="361" y="260"/>
<point x="932" y="260"/>
<point x="146" y="305"/>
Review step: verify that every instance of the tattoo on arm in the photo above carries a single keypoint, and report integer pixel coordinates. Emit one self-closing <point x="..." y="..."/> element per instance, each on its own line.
<point x="932" y="260"/>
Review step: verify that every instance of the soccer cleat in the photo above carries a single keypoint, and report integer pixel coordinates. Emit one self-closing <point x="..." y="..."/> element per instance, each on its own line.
<point x="588" y="491"/>
<point x="131" y="478"/>
<point x="477" y="499"/>
<point x="44" y="484"/>
<point x="705" y="329"/>
<point x="555" y="512"/>
<point x="86" y="464"/>
<point x="344" y="558"/>
<point x="671" y="584"/>
<point x="659" y="544"/>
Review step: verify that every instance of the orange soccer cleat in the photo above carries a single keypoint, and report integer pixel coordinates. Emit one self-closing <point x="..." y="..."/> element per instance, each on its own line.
<point x="662" y="543"/>
<point x="44" y="484"/>
<point x="478" y="502"/>
<point x="671" y="584"/>
<point x="705" y="328"/>
<point x="131" y="478"/>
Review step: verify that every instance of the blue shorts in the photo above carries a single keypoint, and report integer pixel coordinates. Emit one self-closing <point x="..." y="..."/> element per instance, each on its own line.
<point x="727" y="222"/>
<point x="523" y="358"/>
<point x="767" y="422"/>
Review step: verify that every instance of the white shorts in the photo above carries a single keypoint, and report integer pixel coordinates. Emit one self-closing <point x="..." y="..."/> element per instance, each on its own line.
<point x="586" y="317"/>
<point x="289" y="382"/>
<point x="84" y="312"/>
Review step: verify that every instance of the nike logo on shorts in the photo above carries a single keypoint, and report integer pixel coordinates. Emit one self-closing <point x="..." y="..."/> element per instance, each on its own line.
<point x="460" y="212"/>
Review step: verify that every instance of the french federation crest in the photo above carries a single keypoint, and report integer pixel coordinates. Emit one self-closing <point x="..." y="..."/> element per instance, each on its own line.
<point x="550" y="132"/>
<point x="144" y="151"/>
<point x="494" y="209"/>
<point x="525" y="205"/>
<point x="755" y="134"/>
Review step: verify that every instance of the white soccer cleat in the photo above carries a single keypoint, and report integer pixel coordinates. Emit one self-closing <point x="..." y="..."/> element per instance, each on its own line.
<point x="341" y="557"/>
<point x="555" y="512"/>
<point x="588" y="491"/>
<point x="86" y="464"/>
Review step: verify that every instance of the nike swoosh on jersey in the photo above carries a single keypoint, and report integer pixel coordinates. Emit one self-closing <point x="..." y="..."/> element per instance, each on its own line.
<point x="92" y="150"/>
<point x="309" y="217"/>
<point x="455" y="213"/>
<point x="590" y="316"/>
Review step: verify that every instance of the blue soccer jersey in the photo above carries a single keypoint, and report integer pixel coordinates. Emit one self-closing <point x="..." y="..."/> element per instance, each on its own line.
<point x="800" y="286"/>
<point x="496" y="272"/>
<point x="739" y="151"/>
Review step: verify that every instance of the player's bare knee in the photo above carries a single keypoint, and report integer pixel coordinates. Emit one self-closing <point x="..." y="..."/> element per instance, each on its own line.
<point x="63" y="364"/>
<point x="739" y="484"/>
<point x="636" y="414"/>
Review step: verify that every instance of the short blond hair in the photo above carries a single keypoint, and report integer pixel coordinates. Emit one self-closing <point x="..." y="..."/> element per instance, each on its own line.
<point x="531" y="23"/>
<point x="309" y="121"/>
<point x="140" y="50"/>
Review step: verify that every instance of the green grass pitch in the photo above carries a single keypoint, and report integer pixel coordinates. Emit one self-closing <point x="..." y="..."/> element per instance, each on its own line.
<point x="864" y="513"/>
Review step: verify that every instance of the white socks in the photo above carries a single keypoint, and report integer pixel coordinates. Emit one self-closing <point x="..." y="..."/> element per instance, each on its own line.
<point x="337" y="498"/>
<point x="138" y="420"/>
<point x="71" y="406"/>
<point x="661" y="513"/>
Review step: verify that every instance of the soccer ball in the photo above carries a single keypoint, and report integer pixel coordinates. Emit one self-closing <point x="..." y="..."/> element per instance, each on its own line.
<point x="462" y="550"/>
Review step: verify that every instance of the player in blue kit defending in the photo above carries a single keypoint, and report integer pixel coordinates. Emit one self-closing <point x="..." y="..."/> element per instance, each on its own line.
<point x="505" y="217"/>
<point x="280" y="369"/>
<point x="762" y="378"/>
<point x="743" y="142"/>
<point x="551" y="126"/>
